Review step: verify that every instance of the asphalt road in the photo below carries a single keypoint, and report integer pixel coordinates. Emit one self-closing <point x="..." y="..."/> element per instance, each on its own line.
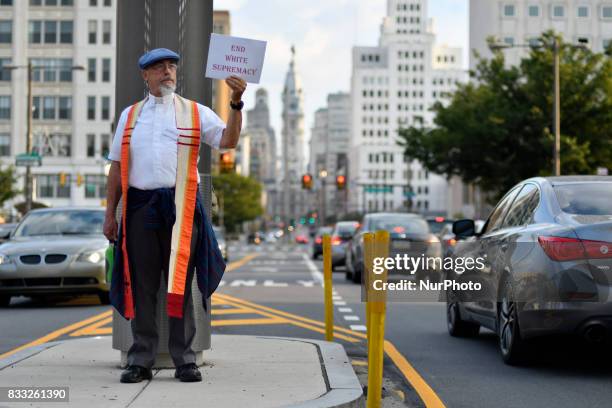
<point x="276" y="290"/>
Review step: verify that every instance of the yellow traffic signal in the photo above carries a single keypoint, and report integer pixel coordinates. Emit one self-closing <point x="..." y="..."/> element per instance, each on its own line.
<point x="79" y="180"/>
<point x="227" y="162"/>
<point x="62" y="179"/>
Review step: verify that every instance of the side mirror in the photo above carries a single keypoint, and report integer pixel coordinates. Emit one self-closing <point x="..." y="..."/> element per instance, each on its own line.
<point x="464" y="228"/>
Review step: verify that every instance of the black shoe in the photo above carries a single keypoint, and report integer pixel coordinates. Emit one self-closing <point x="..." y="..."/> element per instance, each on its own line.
<point x="188" y="373"/>
<point x="135" y="374"/>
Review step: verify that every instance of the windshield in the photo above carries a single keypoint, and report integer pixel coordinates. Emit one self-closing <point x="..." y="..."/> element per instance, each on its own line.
<point x="75" y="222"/>
<point x="585" y="198"/>
<point x="397" y="224"/>
<point x="324" y="230"/>
<point x="346" y="229"/>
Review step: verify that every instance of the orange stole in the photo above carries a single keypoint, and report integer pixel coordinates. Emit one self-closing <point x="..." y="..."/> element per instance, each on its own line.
<point x="186" y="190"/>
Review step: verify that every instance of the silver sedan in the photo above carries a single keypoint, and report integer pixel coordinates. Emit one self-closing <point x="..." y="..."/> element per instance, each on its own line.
<point x="55" y="251"/>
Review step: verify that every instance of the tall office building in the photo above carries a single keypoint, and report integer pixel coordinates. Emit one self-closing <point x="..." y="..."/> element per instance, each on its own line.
<point x="394" y="85"/>
<point x="71" y="45"/>
<point x="523" y="21"/>
<point x="329" y="146"/>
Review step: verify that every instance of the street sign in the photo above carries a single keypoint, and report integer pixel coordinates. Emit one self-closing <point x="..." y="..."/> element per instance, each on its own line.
<point x="379" y="189"/>
<point x="25" y="160"/>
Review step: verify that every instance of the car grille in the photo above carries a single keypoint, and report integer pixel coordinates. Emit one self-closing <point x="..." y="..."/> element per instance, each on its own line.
<point x="55" y="258"/>
<point x="37" y="259"/>
<point x="30" y="259"/>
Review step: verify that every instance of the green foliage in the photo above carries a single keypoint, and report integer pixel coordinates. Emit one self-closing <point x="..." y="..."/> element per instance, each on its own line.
<point x="8" y="179"/>
<point x="497" y="130"/>
<point x="240" y="197"/>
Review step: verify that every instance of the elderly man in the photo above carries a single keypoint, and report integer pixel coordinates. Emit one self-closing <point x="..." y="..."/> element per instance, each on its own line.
<point x="164" y="228"/>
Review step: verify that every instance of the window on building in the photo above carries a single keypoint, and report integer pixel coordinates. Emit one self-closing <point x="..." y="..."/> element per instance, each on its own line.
<point x="92" y="30"/>
<point x="91" y="145"/>
<point x="5" y="107"/>
<point x="106" y="32"/>
<point x="583" y="11"/>
<point x="67" y="3"/>
<point x="558" y="11"/>
<point x="606" y="12"/>
<point x="5" y="74"/>
<point x="6" y="31"/>
<point x="66" y="28"/>
<point x="52" y="69"/>
<point x="50" y="2"/>
<point x="35" y="2"/>
<point x="105" y="107"/>
<point x="52" y="144"/>
<point x="105" y="140"/>
<point x="65" y="108"/>
<point x="91" y="107"/>
<point x="49" y="107"/>
<point x="95" y="186"/>
<point x="106" y="69"/>
<point x="91" y="70"/>
<point x="107" y="3"/>
<point x="48" y="186"/>
<point x="93" y="3"/>
<point x="5" y="144"/>
<point x="534" y="11"/>
<point x="50" y="28"/>
<point x="509" y="10"/>
<point x="35" y="31"/>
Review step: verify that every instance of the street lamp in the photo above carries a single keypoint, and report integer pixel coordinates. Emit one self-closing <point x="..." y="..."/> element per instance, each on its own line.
<point x="323" y="176"/>
<point x="28" y="175"/>
<point x="556" y="49"/>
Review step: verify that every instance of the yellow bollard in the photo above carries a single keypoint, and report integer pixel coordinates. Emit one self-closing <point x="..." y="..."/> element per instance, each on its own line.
<point x="327" y="288"/>
<point x="378" y="306"/>
<point x="368" y="260"/>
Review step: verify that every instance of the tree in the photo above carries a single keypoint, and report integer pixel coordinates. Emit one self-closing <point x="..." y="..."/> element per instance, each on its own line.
<point x="240" y="198"/>
<point x="8" y="179"/>
<point x="497" y="130"/>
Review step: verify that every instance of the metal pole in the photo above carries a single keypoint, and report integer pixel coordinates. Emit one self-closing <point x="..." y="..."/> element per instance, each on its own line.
<point x="28" y="176"/>
<point x="327" y="288"/>
<point x="557" y="109"/>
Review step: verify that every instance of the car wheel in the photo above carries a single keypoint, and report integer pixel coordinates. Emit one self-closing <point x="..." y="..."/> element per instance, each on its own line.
<point x="104" y="298"/>
<point x="356" y="276"/>
<point x="458" y="327"/>
<point x="513" y="348"/>
<point x="315" y="255"/>
<point x="5" y="300"/>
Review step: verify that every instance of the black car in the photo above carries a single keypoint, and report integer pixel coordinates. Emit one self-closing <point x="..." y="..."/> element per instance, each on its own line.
<point x="547" y="270"/>
<point x="409" y="234"/>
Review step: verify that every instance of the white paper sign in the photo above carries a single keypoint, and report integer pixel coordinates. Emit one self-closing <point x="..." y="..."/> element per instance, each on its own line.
<point x="235" y="56"/>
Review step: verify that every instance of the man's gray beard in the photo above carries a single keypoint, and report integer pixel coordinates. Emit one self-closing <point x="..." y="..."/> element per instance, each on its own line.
<point x="167" y="89"/>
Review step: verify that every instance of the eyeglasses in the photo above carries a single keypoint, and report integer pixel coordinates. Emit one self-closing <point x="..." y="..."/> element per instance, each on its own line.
<point x="160" y="66"/>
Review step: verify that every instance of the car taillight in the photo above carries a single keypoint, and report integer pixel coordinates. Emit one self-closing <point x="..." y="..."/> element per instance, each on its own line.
<point x="318" y="240"/>
<point x="336" y="240"/>
<point x="451" y="242"/>
<point x="567" y="249"/>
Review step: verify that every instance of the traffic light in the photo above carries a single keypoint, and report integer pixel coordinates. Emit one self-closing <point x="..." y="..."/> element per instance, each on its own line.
<point x="307" y="182"/>
<point x="62" y="179"/>
<point x="340" y="182"/>
<point x="79" y="180"/>
<point x="227" y="162"/>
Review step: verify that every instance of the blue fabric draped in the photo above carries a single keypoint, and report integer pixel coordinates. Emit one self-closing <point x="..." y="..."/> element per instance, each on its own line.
<point x="161" y="211"/>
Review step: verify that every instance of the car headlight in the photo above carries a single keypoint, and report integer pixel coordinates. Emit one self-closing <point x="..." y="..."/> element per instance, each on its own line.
<point x="4" y="259"/>
<point x="92" y="256"/>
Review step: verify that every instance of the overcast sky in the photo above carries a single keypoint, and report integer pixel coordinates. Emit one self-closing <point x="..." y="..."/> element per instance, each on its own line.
<point x="324" y="32"/>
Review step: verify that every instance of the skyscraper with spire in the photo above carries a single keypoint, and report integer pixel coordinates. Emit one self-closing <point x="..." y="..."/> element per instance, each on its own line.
<point x="293" y="148"/>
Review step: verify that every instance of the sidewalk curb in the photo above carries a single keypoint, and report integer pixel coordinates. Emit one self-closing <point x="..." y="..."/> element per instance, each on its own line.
<point x="26" y="353"/>
<point x="343" y="387"/>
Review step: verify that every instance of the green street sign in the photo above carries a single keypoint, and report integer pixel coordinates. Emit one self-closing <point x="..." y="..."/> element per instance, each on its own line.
<point x="25" y="160"/>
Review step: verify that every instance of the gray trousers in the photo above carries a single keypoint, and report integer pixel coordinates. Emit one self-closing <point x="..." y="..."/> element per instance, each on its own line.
<point x="149" y="252"/>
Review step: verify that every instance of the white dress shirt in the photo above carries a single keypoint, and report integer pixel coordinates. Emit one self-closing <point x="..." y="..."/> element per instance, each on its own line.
<point x="153" y="148"/>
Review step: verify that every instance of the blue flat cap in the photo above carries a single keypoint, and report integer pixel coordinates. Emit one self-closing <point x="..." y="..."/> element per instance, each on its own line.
<point x="155" y="55"/>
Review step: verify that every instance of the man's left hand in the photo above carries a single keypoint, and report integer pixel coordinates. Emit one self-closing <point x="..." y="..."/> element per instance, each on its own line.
<point x="237" y="85"/>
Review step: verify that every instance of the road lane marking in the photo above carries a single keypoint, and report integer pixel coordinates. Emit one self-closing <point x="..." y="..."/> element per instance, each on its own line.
<point x="339" y="302"/>
<point x="237" y="264"/>
<point x="95" y="329"/>
<point x="351" y="318"/>
<point x="345" y="310"/>
<point x="58" y="333"/>
<point x="358" y="327"/>
<point x="426" y="393"/>
<point x="248" y="322"/>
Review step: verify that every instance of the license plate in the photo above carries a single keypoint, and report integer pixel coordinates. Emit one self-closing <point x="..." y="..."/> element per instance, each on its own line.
<point x="401" y="245"/>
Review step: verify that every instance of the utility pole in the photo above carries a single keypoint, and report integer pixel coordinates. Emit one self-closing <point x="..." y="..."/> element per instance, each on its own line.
<point x="28" y="175"/>
<point x="557" y="109"/>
